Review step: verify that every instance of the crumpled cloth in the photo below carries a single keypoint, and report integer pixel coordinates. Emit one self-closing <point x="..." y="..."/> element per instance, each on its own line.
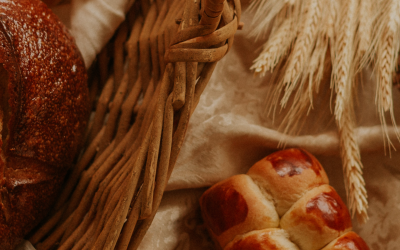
<point x="229" y="132"/>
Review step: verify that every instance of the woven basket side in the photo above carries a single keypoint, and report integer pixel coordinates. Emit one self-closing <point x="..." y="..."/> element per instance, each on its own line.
<point x="144" y="88"/>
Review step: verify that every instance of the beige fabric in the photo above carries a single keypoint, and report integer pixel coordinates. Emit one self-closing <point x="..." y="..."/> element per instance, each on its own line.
<point x="92" y="22"/>
<point x="228" y="133"/>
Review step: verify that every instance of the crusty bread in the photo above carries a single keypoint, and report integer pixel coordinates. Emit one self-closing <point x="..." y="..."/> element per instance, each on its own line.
<point x="44" y="106"/>
<point x="295" y="186"/>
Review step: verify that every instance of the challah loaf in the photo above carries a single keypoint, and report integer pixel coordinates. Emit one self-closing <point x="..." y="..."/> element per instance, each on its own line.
<point x="43" y="113"/>
<point x="284" y="202"/>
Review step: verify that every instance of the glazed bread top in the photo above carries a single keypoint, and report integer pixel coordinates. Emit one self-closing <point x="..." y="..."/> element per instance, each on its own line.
<point x="295" y="188"/>
<point x="348" y="241"/>
<point x="287" y="175"/>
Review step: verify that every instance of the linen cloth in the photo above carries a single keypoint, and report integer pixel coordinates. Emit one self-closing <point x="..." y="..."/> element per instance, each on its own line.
<point x="229" y="132"/>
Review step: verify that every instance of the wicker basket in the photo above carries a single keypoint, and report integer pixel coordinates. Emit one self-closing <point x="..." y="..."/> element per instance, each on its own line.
<point x="144" y="86"/>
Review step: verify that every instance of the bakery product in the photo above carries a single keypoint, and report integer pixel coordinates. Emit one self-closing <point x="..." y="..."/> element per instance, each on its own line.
<point x="43" y="113"/>
<point x="236" y="206"/>
<point x="293" y="183"/>
<point x="348" y="241"/>
<point x="266" y="239"/>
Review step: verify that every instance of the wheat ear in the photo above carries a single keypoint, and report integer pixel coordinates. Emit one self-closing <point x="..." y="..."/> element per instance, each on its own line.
<point x="354" y="181"/>
<point x="318" y="61"/>
<point x="387" y="56"/>
<point x="264" y="13"/>
<point x="342" y="79"/>
<point x="277" y="46"/>
<point x="302" y="48"/>
<point x="364" y="32"/>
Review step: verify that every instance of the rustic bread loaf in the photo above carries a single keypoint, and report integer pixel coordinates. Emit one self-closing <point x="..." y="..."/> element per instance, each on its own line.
<point x="295" y="186"/>
<point x="43" y="113"/>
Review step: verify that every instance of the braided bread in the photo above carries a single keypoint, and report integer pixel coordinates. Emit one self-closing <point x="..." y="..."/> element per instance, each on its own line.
<point x="283" y="202"/>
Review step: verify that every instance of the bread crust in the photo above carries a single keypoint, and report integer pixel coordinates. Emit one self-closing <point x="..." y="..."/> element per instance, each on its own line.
<point x="317" y="218"/>
<point x="348" y="241"/>
<point x="236" y="206"/>
<point x="266" y="239"/>
<point x="312" y="213"/>
<point x="288" y="175"/>
<point x="43" y="113"/>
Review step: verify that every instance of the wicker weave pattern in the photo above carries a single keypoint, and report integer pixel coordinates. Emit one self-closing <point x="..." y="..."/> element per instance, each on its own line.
<point x="140" y="121"/>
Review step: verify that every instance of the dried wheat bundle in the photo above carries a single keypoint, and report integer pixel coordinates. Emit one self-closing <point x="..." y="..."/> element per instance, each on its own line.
<point x="144" y="88"/>
<point x="314" y="42"/>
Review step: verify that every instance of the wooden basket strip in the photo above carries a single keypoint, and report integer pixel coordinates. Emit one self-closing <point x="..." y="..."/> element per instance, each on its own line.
<point x="99" y="175"/>
<point x="119" y="223"/>
<point x="84" y="239"/>
<point x="118" y="64"/>
<point x="212" y="39"/>
<point x="152" y="157"/>
<point x="145" y="6"/>
<point x="102" y="107"/>
<point x="161" y="31"/>
<point x="132" y="47"/>
<point x="55" y="236"/>
<point x="99" y="243"/>
<point x="153" y="41"/>
<point x="144" y="46"/>
<point x="127" y="111"/>
<point x="98" y="222"/>
<point x="114" y="111"/>
<point x="196" y="55"/>
<point x="77" y="171"/>
<point x="135" y="143"/>
<point x="179" y="85"/>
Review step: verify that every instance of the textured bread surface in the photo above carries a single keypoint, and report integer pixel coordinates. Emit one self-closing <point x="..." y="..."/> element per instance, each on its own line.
<point x="43" y="112"/>
<point x="293" y="183"/>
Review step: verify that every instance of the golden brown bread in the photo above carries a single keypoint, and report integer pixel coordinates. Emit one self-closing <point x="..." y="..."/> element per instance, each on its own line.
<point x="287" y="175"/>
<point x="266" y="239"/>
<point x="43" y="112"/>
<point x="348" y="241"/>
<point x="317" y="218"/>
<point x="236" y="206"/>
<point x="292" y="181"/>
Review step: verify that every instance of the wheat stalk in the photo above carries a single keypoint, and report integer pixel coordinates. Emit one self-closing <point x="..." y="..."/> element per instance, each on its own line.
<point x="342" y="58"/>
<point x="354" y="181"/>
<point x="342" y="79"/>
